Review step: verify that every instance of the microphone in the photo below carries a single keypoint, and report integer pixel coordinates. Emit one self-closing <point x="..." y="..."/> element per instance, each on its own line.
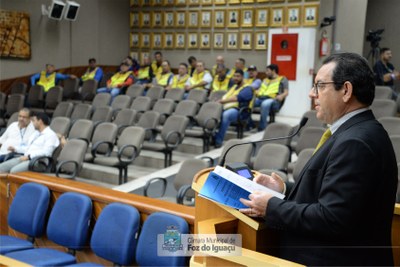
<point x="301" y="125"/>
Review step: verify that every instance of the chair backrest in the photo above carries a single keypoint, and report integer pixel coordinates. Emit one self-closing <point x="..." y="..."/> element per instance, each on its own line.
<point x="120" y="102"/>
<point x="13" y="118"/>
<point x="208" y="111"/>
<point x="3" y="98"/>
<point x="106" y="77"/>
<point x="272" y="156"/>
<point x="278" y="129"/>
<point x="155" y="93"/>
<point x="149" y="120"/>
<point x="383" y="92"/>
<point x="176" y="94"/>
<point x="391" y="125"/>
<point x="69" y="220"/>
<point x="398" y="104"/>
<point x="396" y="145"/>
<point x="63" y="109"/>
<point x="73" y="150"/>
<point x="200" y="96"/>
<point x="312" y="119"/>
<point x="105" y="131"/>
<point x="18" y="88"/>
<point x="384" y="108"/>
<point x="135" y="90"/>
<point x="309" y="138"/>
<point x="101" y="100"/>
<point x="398" y="184"/>
<point x="174" y="123"/>
<point x="14" y="104"/>
<point x="35" y="96"/>
<point x="88" y="90"/>
<point x="114" y="236"/>
<point x="125" y="117"/>
<point x="60" y="125"/>
<point x="186" y="108"/>
<point x="301" y="161"/>
<point x="146" y="250"/>
<point x="132" y="135"/>
<point x="81" y="129"/>
<point x="165" y="107"/>
<point x="237" y="154"/>
<point x="102" y="114"/>
<point x="141" y="103"/>
<point x="217" y="95"/>
<point x="70" y="88"/>
<point x="81" y="111"/>
<point x="28" y="209"/>
<point x="53" y="97"/>
<point x="187" y="171"/>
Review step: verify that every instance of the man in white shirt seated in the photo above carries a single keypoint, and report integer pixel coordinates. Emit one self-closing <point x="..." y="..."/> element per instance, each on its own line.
<point x="41" y="143"/>
<point x="17" y="135"/>
<point x="201" y="78"/>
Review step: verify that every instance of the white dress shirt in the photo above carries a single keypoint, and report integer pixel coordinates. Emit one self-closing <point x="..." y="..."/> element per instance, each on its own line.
<point x="16" y="137"/>
<point x="42" y="143"/>
<point x="206" y="78"/>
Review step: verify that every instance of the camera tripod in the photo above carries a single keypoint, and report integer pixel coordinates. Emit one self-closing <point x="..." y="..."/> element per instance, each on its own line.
<point x="374" y="54"/>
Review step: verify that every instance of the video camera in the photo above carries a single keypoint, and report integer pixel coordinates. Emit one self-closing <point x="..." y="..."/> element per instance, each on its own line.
<point x="374" y="37"/>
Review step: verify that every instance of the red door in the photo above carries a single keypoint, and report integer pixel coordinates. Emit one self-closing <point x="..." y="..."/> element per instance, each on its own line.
<point x="284" y="54"/>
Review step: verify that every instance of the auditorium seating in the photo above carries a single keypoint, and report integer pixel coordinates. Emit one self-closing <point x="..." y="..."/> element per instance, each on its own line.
<point x="63" y="109"/>
<point x="383" y="92"/>
<point x="102" y="141"/>
<point x="60" y="125"/>
<point x="384" y="108"/>
<point x="70" y="88"/>
<point x="176" y="94"/>
<point x="272" y="156"/>
<point x="18" y="88"/>
<point x="35" y="96"/>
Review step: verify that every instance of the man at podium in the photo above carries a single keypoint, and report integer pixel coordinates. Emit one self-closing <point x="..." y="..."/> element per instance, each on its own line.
<point x="340" y="210"/>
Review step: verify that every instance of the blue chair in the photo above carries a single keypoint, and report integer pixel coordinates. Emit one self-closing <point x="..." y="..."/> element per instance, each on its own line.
<point x="114" y="235"/>
<point x="158" y="223"/>
<point x="26" y="215"/>
<point x="67" y="226"/>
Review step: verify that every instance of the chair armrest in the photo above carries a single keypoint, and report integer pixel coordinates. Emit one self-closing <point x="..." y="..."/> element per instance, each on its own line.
<point x="210" y="128"/>
<point x="127" y="159"/>
<point x="182" y="192"/>
<point x="41" y="164"/>
<point x="170" y="135"/>
<point x="61" y="163"/>
<point x="152" y="181"/>
<point x="96" y="147"/>
<point x="209" y="159"/>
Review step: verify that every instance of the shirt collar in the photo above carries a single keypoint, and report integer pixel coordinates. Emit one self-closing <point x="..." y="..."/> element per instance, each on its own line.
<point x="345" y="118"/>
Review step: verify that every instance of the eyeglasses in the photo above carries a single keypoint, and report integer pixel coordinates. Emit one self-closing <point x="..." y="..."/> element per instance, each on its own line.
<point x="321" y="85"/>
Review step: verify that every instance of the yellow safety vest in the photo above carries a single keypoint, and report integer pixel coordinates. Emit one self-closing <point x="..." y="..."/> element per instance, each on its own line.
<point x="218" y="85"/>
<point x="156" y="69"/>
<point x="119" y="78"/>
<point x="197" y="78"/>
<point x="89" y="75"/>
<point x="190" y="71"/>
<point x="232" y="71"/>
<point x="269" y="87"/>
<point x="162" y="79"/>
<point x="179" y="82"/>
<point x="214" y="70"/>
<point x="47" y="82"/>
<point x="232" y="92"/>
<point x="144" y="73"/>
<point x="249" y="81"/>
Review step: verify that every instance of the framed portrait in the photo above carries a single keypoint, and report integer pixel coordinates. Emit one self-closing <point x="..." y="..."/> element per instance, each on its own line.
<point x="144" y="2"/>
<point x="276" y="19"/>
<point x="134" y="55"/>
<point x="247" y="18"/>
<point x="205" y="40"/>
<point x="219" y="2"/>
<point x="262" y="17"/>
<point x="144" y="55"/>
<point x="180" y="40"/>
<point x="205" y="20"/>
<point x="194" y="2"/>
<point x="135" y="40"/>
<point x="156" y="19"/>
<point x="180" y="19"/>
<point x="145" y="20"/>
<point x="169" y="19"/>
<point x="206" y="2"/>
<point x="262" y="1"/>
<point x="135" y="21"/>
<point x="192" y="40"/>
<point x="310" y="15"/>
<point x="246" y="40"/>
<point x="233" y="18"/>
<point x="218" y="40"/>
<point x="156" y="2"/>
<point x="232" y="40"/>
<point x="219" y="19"/>
<point x="180" y="2"/>
<point x="156" y="40"/>
<point x="293" y="15"/>
<point x="295" y="0"/>
<point x="144" y="40"/>
<point x="233" y="2"/>
<point x="134" y="3"/>
<point x="277" y="0"/>
<point x="168" y="41"/>
<point x="247" y="1"/>
<point x="193" y="19"/>
<point x="260" y="40"/>
<point x="169" y="2"/>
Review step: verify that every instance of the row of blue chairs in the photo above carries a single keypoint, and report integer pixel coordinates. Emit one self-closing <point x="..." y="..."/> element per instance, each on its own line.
<point x="115" y="235"/>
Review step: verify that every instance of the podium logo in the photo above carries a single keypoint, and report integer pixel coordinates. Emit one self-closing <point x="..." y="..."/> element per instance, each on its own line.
<point x="172" y="239"/>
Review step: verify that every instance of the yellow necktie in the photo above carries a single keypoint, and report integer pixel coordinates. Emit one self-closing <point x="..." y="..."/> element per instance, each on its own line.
<point x="323" y="139"/>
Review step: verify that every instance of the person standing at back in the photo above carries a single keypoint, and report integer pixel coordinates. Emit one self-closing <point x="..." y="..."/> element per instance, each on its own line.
<point x="339" y="212"/>
<point x="385" y="73"/>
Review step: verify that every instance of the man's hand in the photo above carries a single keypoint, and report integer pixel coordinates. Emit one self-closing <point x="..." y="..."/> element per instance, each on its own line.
<point x="279" y="98"/>
<point x="73" y="76"/>
<point x="11" y="149"/>
<point x="257" y="205"/>
<point x="23" y="158"/>
<point x="274" y="182"/>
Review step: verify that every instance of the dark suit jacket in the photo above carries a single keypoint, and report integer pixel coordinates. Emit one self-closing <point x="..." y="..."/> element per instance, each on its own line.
<point x="340" y="210"/>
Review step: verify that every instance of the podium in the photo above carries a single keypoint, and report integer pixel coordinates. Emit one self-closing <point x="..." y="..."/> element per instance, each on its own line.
<point x="214" y="218"/>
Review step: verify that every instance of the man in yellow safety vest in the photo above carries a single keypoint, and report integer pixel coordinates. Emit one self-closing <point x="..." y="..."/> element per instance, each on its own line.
<point x="49" y="78"/>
